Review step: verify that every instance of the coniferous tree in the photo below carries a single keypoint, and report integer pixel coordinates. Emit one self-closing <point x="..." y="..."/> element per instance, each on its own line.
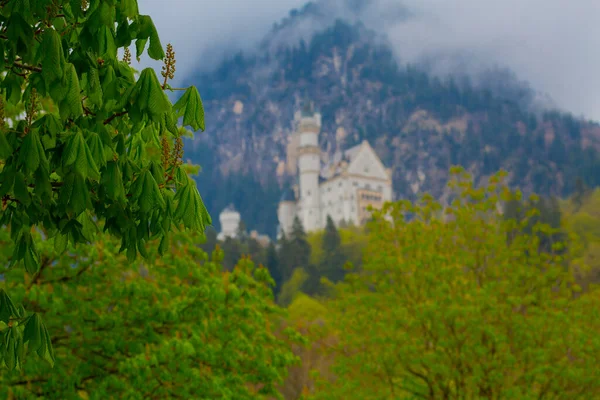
<point x="272" y="264"/>
<point x="300" y="248"/>
<point x="332" y="263"/>
<point x="294" y="251"/>
<point x="241" y="231"/>
<point x="210" y="240"/>
<point x="581" y="190"/>
<point x="233" y="251"/>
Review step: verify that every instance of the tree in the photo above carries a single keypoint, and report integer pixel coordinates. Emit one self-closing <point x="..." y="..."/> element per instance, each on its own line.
<point x="241" y="233"/>
<point x="448" y="308"/>
<point x="332" y="263"/>
<point x="272" y="264"/>
<point x="170" y="327"/>
<point x="300" y="248"/>
<point x="95" y="143"/>
<point x="294" y="251"/>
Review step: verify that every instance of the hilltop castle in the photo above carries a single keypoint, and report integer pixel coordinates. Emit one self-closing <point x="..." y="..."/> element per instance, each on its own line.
<point x="343" y="188"/>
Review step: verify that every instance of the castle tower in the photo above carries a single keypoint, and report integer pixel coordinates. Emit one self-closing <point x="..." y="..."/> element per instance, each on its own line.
<point x="230" y="221"/>
<point x="309" y="163"/>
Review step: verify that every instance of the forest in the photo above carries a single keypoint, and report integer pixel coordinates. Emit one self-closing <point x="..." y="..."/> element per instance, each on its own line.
<point x="114" y="285"/>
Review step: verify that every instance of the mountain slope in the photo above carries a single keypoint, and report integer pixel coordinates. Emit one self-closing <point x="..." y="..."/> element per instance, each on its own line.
<point x="419" y="124"/>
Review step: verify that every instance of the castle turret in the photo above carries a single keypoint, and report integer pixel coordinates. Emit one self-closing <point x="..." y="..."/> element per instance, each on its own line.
<point x="309" y="163"/>
<point x="230" y="221"/>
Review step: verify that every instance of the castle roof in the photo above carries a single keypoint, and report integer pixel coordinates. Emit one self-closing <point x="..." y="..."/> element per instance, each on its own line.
<point x="229" y="208"/>
<point x="308" y="108"/>
<point x="339" y="162"/>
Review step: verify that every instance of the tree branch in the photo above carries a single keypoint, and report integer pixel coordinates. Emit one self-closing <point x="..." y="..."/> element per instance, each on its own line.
<point x="109" y="119"/>
<point x="27" y="67"/>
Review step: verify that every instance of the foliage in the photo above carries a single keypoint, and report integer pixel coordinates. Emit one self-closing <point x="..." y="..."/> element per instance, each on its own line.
<point x="447" y="307"/>
<point x="291" y="289"/>
<point x="172" y="327"/>
<point x="581" y="216"/>
<point x="332" y="264"/>
<point x="87" y="147"/>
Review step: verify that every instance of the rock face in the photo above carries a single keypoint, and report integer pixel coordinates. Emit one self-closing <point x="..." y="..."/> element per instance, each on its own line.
<point x="418" y="124"/>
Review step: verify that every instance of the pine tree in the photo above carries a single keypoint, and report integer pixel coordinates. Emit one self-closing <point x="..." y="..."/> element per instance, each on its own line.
<point x="332" y="263"/>
<point x="300" y="248"/>
<point x="272" y="264"/>
<point x="294" y="251"/>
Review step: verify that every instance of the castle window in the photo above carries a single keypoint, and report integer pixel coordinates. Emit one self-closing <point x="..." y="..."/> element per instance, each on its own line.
<point x="366" y="170"/>
<point x="329" y="189"/>
<point x="308" y="192"/>
<point x="368" y="186"/>
<point x="380" y="188"/>
<point x="355" y="184"/>
<point x="340" y="184"/>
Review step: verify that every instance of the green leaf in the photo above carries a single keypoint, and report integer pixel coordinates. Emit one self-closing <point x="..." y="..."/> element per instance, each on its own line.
<point x="38" y="340"/>
<point x="191" y="108"/>
<point x="147" y="193"/>
<point x="70" y="106"/>
<point x="140" y="45"/>
<point x="144" y="26"/>
<point x="20" y="189"/>
<point x="32" y="152"/>
<point x="112" y="182"/>
<point x="148" y="97"/>
<point x="129" y="8"/>
<point x="108" y="49"/>
<point x="96" y="148"/>
<point x="190" y="208"/>
<point x="60" y="243"/>
<point x="7" y="307"/>
<point x="5" y="147"/>
<point x="52" y="56"/>
<point x="78" y="155"/>
<point x="94" y="87"/>
<point x="74" y="194"/>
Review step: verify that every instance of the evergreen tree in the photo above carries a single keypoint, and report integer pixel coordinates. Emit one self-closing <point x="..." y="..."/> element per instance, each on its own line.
<point x="300" y="248"/>
<point x="241" y="231"/>
<point x="581" y="191"/>
<point x="332" y="263"/>
<point x="233" y="251"/>
<point x="272" y="264"/>
<point x="293" y="252"/>
<point x="210" y="240"/>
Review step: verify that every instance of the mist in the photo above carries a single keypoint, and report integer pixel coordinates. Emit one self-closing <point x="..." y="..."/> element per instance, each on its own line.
<point x="552" y="44"/>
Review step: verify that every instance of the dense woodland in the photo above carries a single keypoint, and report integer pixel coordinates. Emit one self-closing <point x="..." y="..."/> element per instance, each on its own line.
<point x="113" y="284"/>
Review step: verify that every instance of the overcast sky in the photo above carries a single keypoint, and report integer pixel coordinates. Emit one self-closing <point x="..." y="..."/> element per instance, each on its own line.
<point x="553" y="44"/>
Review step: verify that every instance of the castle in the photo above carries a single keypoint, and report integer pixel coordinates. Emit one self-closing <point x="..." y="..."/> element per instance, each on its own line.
<point x="342" y="188"/>
<point x="230" y="220"/>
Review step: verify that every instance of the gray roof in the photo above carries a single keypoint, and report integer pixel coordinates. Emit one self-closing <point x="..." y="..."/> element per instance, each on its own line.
<point x="308" y="109"/>
<point x="334" y="166"/>
<point x="230" y="208"/>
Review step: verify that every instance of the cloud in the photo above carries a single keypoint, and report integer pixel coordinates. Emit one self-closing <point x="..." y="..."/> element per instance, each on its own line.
<point x="553" y="44"/>
<point x="201" y="31"/>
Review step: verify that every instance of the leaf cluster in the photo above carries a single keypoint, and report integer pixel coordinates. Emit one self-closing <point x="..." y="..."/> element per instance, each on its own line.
<point x="83" y="150"/>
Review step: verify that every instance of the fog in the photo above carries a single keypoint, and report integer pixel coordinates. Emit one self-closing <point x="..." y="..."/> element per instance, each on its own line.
<point x="552" y="44"/>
